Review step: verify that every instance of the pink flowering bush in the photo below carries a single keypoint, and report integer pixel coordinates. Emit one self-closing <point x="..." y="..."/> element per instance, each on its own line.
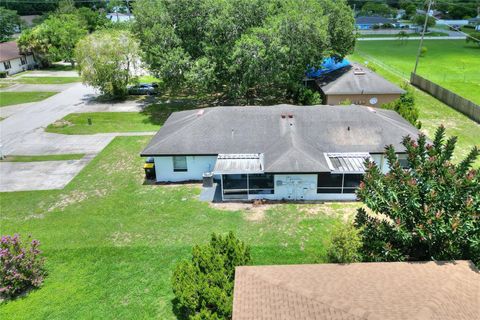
<point x="21" y="267"/>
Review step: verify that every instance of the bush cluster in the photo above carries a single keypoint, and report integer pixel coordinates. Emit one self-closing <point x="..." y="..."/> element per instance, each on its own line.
<point x="345" y="244"/>
<point x="21" y="267"/>
<point x="203" y="286"/>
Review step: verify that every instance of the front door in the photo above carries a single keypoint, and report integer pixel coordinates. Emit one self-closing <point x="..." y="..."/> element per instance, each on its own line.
<point x="295" y="187"/>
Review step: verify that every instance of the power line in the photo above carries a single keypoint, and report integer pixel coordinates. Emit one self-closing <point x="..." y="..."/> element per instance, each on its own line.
<point x="423" y="35"/>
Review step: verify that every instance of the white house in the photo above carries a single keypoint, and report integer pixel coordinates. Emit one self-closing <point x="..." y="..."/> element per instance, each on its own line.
<point x="12" y="61"/>
<point x="279" y="152"/>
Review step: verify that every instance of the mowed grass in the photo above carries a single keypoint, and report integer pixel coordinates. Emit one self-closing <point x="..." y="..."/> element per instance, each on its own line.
<point x="47" y="80"/>
<point x="102" y="122"/>
<point x="11" y="98"/>
<point x="50" y="157"/>
<point x="434" y="113"/>
<point x="453" y="64"/>
<point x="111" y="243"/>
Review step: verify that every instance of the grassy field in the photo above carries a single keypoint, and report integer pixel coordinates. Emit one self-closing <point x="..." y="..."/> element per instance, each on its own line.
<point x="453" y="64"/>
<point x="434" y="113"/>
<point x="111" y="242"/>
<point x="77" y="123"/>
<point x="50" y="157"/>
<point x="10" y="98"/>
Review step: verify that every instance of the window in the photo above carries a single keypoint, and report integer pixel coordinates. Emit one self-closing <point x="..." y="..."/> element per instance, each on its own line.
<point x="180" y="163"/>
<point x="260" y="183"/>
<point x="23" y="60"/>
<point x="7" y="65"/>
<point x="403" y="161"/>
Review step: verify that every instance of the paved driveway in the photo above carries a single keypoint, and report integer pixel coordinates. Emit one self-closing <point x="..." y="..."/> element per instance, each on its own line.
<point x="42" y="175"/>
<point x="22" y="133"/>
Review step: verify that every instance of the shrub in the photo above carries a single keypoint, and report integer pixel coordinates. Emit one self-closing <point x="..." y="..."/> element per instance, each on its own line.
<point x="21" y="267"/>
<point x="306" y="96"/>
<point x="203" y="286"/>
<point x="423" y="51"/>
<point x="405" y="106"/>
<point x="429" y="211"/>
<point x="345" y="244"/>
<point x="3" y="74"/>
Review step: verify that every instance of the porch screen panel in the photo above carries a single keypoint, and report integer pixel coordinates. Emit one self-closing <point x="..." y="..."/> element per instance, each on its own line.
<point x="235" y="184"/>
<point x="260" y="183"/>
<point x="351" y="182"/>
<point x="329" y="183"/>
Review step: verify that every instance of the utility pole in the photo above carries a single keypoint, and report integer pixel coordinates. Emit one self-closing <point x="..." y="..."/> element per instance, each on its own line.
<point x="423" y="35"/>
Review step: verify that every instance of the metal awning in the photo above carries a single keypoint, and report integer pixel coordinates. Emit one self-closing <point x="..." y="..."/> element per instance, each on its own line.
<point x="239" y="163"/>
<point x="352" y="162"/>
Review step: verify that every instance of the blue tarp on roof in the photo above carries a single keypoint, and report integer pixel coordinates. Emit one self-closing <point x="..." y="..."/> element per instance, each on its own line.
<point x="328" y="65"/>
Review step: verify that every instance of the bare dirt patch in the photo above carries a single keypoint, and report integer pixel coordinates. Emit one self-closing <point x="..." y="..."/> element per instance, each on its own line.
<point x="61" y="124"/>
<point x="68" y="199"/>
<point x="251" y="211"/>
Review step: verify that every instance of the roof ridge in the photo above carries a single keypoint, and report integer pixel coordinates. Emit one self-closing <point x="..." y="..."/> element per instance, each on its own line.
<point x="307" y="297"/>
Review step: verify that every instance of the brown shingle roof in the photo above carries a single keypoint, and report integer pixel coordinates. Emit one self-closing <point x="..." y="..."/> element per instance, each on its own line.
<point x="395" y="290"/>
<point x="8" y="51"/>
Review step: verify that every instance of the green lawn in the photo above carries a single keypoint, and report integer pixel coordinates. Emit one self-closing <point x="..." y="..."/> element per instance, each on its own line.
<point x="434" y="113"/>
<point x="453" y="64"/>
<point x="50" y="157"/>
<point x="77" y="123"/>
<point x="47" y="80"/>
<point x="9" y="98"/>
<point x="111" y="242"/>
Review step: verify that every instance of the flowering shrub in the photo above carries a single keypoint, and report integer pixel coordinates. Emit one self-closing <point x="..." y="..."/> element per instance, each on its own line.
<point x="21" y="266"/>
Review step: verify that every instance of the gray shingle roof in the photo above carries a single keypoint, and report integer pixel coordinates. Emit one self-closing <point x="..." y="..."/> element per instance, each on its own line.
<point x="294" y="144"/>
<point x="348" y="80"/>
<point x="376" y="291"/>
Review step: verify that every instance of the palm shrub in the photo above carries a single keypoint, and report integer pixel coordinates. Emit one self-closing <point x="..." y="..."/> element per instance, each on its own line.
<point x="345" y="244"/>
<point x="430" y="211"/>
<point x="203" y="286"/>
<point x="21" y="267"/>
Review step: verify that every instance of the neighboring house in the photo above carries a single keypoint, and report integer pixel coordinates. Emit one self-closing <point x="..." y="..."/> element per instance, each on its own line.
<point x="29" y="20"/>
<point x="367" y="291"/>
<point x="357" y="84"/>
<point x="475" y="22"/>
<point x="369" y="22"/>
<point x="432" y="13"/>
<point x="119" y="17"/>
<point x="12" y="61"/>
<point x="279" y="152"/>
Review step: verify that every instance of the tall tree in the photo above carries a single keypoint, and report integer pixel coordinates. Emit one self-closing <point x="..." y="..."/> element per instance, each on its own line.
<point x="55" y="38"/>
<point x="9" y="23"/>
<point x="429" y="211"/>
<point x="108" y="60"/>
<point x="205" y="45"/>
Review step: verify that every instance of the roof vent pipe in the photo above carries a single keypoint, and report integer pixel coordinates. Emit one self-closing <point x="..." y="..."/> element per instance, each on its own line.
<point x="290" y="115"/>
<point x="283" y="115"/>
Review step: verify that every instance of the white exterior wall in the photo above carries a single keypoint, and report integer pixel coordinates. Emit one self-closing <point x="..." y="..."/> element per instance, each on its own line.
<point x="16" y="65"/>
<point x="299" y="187"/>
<point x="196" y="167"/>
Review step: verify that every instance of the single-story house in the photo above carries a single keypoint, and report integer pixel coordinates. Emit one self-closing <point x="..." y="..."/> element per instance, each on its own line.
<point x="12" y="61"/>
<point x="367" y="291"/>
<point x="279" y="152"/>
<point x="357" y="84"/>
<point x="369" y="22"/>
<point x="475" y="23"/>
<point x="119" y="17"/>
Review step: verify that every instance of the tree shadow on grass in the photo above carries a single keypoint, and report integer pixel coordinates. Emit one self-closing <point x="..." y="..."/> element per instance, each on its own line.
<point x="158" y="109"/>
